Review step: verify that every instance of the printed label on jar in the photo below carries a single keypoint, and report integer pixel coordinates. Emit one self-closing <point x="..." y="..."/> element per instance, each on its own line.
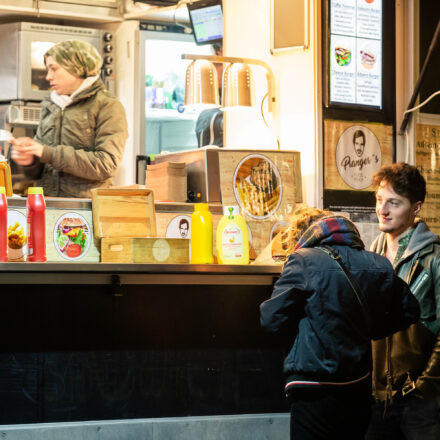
<point x="232" y="242"/>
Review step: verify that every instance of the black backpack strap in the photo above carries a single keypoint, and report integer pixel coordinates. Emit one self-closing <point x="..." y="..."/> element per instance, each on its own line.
<point x="353" y="283"/>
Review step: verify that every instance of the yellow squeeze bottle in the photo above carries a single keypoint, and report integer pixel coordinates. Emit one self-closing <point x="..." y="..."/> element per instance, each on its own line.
<point x="232" y="238"/>
<point x="201" y="235"/>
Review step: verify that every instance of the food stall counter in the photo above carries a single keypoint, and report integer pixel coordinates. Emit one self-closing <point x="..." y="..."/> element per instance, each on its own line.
<point x="119" y="274"/>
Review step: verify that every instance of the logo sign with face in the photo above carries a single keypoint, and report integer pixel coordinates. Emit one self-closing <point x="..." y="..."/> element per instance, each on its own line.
<point x="179" y="227"/>
<point x="257" y="186"/>
<point x="358" y="156"/>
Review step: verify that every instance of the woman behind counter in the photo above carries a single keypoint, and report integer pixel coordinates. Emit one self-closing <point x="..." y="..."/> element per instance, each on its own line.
<point x="81" y="137"/>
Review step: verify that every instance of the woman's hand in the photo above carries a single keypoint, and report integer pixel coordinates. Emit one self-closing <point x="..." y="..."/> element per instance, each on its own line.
<point x="24" y="150"/>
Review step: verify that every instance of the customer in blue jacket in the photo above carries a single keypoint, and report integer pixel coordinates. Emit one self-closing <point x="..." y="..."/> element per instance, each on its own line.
<point x="329" y="365"/>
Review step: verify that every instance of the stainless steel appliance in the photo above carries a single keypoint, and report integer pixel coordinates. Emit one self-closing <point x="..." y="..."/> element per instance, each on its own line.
<point x="22" y="46"/>
<point x="205" y="179"/>
<point x="203" y="172"/>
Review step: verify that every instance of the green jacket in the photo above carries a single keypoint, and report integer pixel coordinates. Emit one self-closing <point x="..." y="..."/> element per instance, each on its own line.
<point x="410" y="360"/>
<point x="83" y="144"/>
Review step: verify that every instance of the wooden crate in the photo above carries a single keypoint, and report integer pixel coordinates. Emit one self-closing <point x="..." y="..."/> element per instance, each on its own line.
<point x="168" y="181"/>
<point x="170" y="215"/>
<point x="144" y="250"/>
<point x="123" y="212"/>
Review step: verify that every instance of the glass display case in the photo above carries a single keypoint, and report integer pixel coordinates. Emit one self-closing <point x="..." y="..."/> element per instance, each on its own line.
<point x="169" y="126"/>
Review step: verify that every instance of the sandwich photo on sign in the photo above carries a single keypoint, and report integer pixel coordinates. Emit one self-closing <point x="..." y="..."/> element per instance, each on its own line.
<point x="72" y="236"/>
<point x="368" y="59"/>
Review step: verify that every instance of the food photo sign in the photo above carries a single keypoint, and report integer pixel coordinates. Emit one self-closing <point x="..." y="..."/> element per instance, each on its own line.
<point x="264" y="186"/>
<point x="355" y="52"/>
<point x="354" y="151"/>
<point x="68" y="235"/>
<point x="72" y="236"/>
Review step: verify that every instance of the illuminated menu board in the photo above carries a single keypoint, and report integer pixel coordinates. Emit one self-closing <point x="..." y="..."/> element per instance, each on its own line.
<point x="356" y="52"/>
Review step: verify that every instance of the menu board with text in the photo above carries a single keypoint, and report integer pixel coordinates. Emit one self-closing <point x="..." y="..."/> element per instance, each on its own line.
<point x="356" y="52"/>
<point x="428" y="163"/>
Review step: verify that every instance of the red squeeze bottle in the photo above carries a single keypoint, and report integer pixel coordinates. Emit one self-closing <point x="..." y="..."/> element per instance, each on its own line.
<point x="3" y="225"/>
<point x="36" y="224"/>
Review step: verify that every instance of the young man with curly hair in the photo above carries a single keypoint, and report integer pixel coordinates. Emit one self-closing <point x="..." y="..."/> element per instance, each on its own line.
<point x="406" y="365"/>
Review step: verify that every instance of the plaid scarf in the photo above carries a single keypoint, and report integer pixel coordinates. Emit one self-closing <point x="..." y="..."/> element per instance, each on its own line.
<point x="331" y="230"/>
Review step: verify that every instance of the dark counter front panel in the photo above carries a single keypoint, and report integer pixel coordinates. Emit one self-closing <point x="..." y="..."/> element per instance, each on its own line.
<point x="77" y="352"/>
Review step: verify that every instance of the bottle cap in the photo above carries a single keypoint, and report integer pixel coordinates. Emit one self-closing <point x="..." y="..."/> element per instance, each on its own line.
<point x="231" y="210"/>
<point x="201" y="206"/>
<point x="35" y="190"/>
<point x="2" y="190"/>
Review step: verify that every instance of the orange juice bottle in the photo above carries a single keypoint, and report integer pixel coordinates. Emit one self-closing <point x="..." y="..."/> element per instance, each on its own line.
<point x="201" y="235"/>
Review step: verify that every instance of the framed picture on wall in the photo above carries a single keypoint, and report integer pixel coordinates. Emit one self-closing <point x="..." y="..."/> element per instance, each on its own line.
<point x="354" y="151"/>
<point x="289" y="25"/>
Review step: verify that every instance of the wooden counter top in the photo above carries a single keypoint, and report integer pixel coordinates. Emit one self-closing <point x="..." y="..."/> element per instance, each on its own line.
<point x="113" y="273"/>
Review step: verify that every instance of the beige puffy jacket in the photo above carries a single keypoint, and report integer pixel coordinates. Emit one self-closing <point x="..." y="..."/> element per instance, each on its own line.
<point x="83" y="144"/>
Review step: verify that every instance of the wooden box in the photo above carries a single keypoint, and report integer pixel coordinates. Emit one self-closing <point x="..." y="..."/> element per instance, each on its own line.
<point x="144" y="250"/>
<point x="168" y="180"/>
<point x="123" y="212"/>
<point x="173" y="220"/>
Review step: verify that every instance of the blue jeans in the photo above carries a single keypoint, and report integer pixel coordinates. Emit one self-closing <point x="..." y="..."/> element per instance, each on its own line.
<point x="409" y="418"/>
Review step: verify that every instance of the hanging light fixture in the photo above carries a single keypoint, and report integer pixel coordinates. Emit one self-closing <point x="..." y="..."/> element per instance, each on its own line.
<point x="240" y="79"/>
<point x="201" y="84"/>
<point x="238" y="86"/>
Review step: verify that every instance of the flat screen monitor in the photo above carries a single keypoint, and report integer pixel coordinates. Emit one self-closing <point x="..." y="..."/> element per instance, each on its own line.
<point x="355" y="53"/>
<point x="207" y="21"/>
